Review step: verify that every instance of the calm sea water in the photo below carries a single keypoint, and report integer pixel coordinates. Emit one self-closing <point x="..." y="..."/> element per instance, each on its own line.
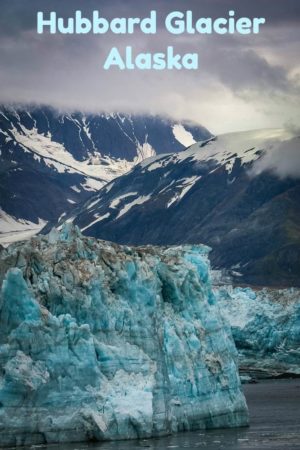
<point x="274" y="408"/>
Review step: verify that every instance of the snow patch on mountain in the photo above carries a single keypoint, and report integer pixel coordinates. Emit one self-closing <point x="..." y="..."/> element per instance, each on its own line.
<point x="225" y="149"/>
<point x="144" y="151"/>
<point x="183" y="136"/>
<point x="184" y="186"/>
<point x="128" y="206"/>
<point x="98" y="219"/>
<point x="55" y="155"/>
<point x="116" y="201"/>
<point x="92" y="185"/>
<point x="246" y="146"/>
<point x="13" y="230"/>
<point x="154" y="163"/>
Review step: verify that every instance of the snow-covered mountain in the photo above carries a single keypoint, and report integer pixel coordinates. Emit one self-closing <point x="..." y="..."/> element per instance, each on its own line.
<point x="212" y="194"/>
<point x="50" y="161"/>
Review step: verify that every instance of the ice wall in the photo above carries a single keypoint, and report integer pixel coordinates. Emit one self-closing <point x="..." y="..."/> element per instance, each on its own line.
<point x="99" y="341"/>
<point x="266" y="328"/>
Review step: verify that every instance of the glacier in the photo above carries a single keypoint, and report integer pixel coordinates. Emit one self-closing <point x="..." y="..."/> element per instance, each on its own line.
<point x="100" y="341"/>
<point x="265" y="324"/>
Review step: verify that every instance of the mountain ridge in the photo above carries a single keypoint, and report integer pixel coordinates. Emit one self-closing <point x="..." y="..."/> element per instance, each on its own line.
<point x="51" y="161"/>
<point x="212" y="193"/>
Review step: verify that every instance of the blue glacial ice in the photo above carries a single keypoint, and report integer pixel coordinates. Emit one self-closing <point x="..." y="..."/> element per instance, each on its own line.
<point x="266" y="328"/>
<point x="100" y="341"/>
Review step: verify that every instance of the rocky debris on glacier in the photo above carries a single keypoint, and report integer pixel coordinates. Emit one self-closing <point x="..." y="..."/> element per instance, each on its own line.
<point x="266" y="329"/>
<point x="100" y="341"/>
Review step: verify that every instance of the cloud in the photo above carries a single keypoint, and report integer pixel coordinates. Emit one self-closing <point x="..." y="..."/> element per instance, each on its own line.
<point x="243" y="81"/>
<point x="283" y="160"/>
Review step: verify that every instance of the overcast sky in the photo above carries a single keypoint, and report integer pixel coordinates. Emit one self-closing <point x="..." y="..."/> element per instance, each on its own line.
<point x="243" y="82"/>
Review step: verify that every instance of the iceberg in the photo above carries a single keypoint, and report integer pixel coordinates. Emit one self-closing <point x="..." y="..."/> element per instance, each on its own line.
<point x="100" y="341"/>
<point x="266" y="328"/>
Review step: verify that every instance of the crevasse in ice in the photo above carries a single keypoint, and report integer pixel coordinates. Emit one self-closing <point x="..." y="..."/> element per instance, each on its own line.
<point x="100" y="341"/>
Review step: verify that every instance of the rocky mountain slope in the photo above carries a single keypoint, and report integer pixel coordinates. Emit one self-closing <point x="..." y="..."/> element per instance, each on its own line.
<point x="51" y="161"/>
<point x="211" y="194"/>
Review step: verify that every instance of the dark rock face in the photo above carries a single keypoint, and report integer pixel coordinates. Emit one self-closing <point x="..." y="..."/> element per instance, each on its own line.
<point x="207" y="195"/>
<point x="50" y="161"/>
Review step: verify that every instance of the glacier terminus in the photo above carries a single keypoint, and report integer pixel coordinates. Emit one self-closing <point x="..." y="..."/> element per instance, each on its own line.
<point x="100" y="341"/>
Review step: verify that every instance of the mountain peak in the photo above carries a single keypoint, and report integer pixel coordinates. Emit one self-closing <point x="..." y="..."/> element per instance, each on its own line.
<point x="52" y="161"/>
<point x="209" y="194"/>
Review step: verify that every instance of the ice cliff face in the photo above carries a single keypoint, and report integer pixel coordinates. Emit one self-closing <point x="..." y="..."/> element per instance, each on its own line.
<point x="99" y="341"/>
<point x="266" y="328"/>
